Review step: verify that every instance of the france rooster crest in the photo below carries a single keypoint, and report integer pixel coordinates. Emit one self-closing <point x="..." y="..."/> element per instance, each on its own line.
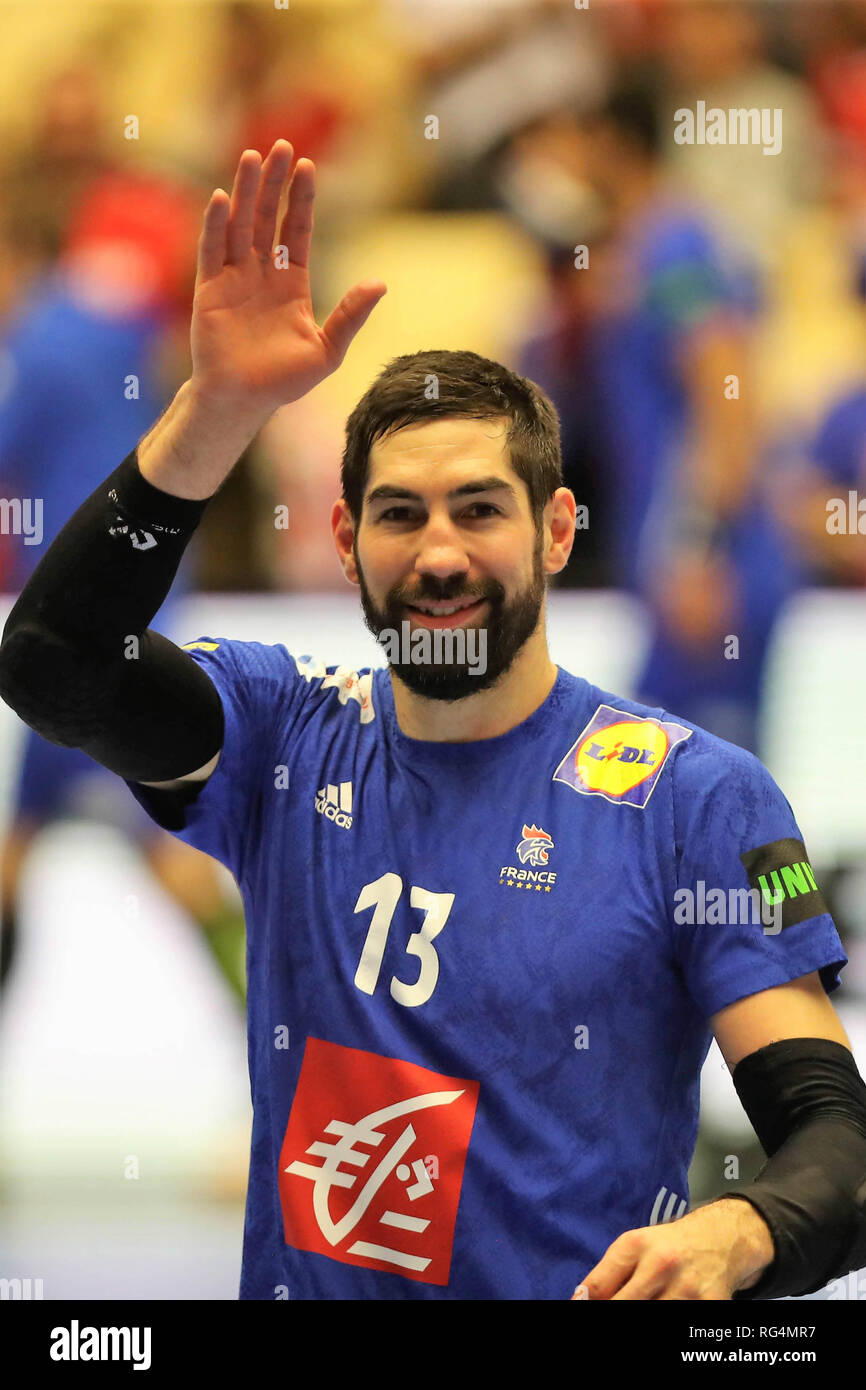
<point x="533" y="848"/>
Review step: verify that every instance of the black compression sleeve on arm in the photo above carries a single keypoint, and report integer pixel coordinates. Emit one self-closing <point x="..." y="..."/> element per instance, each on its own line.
<point x="807" y="1103"/>
<point x="77" y="661"/>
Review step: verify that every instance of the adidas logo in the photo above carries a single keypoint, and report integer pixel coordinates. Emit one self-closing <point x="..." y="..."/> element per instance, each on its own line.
<point x="335" y="803"/>
<point x="673" y="1210"/>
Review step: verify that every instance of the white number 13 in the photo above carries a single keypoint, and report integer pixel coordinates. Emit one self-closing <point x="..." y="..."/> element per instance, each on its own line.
<point x="383" y="896"/>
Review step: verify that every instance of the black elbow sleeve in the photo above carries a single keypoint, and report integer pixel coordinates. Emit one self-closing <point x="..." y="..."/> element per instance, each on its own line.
<point x="78" y="662"/>
<point x="150" y="717"/>
<point x="807" y="1103"/>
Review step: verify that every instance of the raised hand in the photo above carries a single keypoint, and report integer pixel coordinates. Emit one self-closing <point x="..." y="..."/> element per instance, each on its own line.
<point x="255" y="342"/>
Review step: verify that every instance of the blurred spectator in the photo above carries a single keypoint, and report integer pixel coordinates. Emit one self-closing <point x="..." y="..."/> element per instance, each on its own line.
<point x="690" y="529"/>
<point x="833" y="46"/>
<point x="82" y="373"/>
<point x="486" y="72"/>
<point x="541" y="179"/>
<point x="558" y="355"/>
<point x="66" y="150"/>
<point x="818" y="495"/>
<point x="275" y="75"/>
<point x="82" y="382"/>
<point x="716" y="53"/>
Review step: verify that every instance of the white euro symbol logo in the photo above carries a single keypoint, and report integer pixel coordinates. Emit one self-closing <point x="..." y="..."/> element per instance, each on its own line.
<point x="328" y="1174"/>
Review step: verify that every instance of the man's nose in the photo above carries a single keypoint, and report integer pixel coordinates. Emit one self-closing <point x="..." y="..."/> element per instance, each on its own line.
<point x="441" y="552"/>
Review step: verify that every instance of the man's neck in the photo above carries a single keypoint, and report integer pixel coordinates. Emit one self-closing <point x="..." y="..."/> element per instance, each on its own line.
<point x="492" y="712"/>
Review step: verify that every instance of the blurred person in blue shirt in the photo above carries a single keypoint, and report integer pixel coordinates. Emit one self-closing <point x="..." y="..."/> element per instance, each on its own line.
<point x="821" y="496"/>
<point x="688" y="527"/>
<point x="84" y="370"/>
<point x="557" y="355"/>
<point x="821" y="491"/>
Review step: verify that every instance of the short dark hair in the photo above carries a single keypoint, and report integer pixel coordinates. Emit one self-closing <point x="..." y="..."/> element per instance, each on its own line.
<point x="428" y="385"/>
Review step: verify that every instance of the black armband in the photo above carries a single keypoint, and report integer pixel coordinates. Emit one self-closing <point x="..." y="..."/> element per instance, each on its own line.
<point x="807" y="1103"/>
<point x="78" y="662"/>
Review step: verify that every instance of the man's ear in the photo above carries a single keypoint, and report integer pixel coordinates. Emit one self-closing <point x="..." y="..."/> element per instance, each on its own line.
<point x="343" y="529"/>
<point x="559" y="519"/>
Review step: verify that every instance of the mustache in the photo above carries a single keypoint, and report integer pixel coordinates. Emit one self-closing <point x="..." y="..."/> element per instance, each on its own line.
<point x="435" y="590"/>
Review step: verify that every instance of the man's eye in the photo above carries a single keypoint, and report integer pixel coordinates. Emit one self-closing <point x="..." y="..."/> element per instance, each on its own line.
<point x="476" y="511"/>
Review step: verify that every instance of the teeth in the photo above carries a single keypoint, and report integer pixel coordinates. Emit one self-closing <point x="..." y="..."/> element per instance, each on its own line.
<point x="444" y="612"/>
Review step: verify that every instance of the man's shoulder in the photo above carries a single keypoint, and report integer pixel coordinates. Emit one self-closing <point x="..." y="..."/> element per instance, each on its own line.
<point x="244" y="658"/>
<point x="245" y="662"/>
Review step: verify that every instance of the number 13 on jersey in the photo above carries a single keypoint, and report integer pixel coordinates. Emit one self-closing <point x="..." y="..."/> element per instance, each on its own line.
<point x="383" y="895"/>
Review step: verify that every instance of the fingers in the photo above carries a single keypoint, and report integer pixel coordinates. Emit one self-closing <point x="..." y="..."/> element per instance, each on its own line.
<point x="212" y="242"/>
<point x="273" y="176"/>
<point x="239" y="237"/>
<point x="297" y="226"/>
<point x="615" y="1268"/>
<point x="232" y="227"/>
<point x="351" y="314"/>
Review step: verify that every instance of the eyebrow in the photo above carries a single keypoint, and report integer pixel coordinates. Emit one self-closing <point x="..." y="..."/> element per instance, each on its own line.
<point x="492" y="484"/>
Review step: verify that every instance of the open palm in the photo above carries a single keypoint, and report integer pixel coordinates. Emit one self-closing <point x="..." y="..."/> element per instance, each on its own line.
<point x="254" y="338"/>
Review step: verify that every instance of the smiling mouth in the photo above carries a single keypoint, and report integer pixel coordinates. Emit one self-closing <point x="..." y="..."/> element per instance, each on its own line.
<point x="452" y="614"/>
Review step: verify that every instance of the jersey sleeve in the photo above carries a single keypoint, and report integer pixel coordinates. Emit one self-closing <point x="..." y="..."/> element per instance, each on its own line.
<point x="747" y="912"/>
<point x="255" y="686"/>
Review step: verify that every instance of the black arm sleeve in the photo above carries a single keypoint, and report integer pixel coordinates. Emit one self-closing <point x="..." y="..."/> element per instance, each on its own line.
<point x="807" y="1103"/>
<point x="78" y="662"/>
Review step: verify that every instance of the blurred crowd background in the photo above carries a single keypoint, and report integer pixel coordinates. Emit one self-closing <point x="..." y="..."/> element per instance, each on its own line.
<point x="697" y="313"/>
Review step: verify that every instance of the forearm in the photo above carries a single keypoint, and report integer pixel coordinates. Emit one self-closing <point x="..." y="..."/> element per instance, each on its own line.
<point x="746" y="1237"/>
<point x="196" y="443"/>
<point x="807" y="1103"/>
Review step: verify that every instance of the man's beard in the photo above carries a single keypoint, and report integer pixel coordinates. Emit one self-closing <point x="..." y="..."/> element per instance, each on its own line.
<point x="508" y="627"/>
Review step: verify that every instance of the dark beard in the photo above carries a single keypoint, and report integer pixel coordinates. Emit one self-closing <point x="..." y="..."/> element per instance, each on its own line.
<point x="509" y="626"/>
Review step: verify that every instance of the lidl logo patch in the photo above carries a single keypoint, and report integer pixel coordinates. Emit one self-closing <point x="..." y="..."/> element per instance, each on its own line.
<point x="619" y="756"/>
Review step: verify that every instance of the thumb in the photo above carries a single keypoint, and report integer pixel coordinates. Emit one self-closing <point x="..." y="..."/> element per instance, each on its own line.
<point x="351" y="314"/>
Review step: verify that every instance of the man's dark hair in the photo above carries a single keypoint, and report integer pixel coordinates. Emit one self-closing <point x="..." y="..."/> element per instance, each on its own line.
<point x="427" y="385"/>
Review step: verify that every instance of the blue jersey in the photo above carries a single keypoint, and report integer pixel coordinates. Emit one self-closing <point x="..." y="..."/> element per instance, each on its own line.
<point x="77" y="390"/>
<point x="679" y="278"/>
<point x="480" y="974"/>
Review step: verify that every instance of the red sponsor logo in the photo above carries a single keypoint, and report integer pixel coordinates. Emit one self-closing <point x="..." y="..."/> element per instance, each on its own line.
<point x="372" y="1161"/>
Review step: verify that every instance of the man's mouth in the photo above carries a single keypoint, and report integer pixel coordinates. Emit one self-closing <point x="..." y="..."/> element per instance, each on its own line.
<point x="454" y="613"/>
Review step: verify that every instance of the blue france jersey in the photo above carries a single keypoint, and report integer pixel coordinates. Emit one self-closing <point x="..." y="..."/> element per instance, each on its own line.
<point x="481" y="974"/>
